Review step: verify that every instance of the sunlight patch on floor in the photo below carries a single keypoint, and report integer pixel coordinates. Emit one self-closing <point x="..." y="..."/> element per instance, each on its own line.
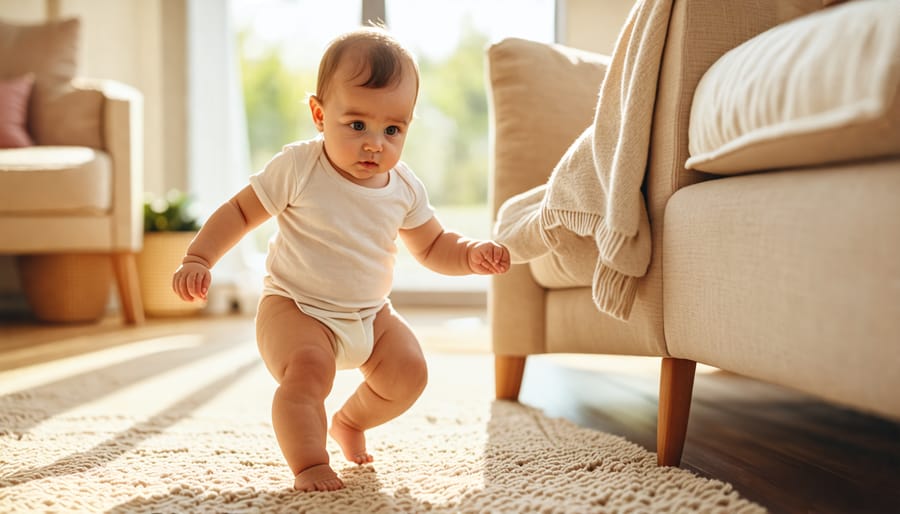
<point x="450" y="330"/>
<point x="174" y="384"/>
<point x="36" y="375"/>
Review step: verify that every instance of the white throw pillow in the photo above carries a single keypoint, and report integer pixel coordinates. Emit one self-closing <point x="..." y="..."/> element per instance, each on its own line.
<point x="821" y="88"/>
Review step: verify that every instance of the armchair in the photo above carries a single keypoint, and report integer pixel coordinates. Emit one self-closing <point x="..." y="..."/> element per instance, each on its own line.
<point x="71" y="178"/>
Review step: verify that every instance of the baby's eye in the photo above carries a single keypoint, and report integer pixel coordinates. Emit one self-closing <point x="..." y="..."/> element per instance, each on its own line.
<point x="393" y="130"/>
<point x="357" y="125"/>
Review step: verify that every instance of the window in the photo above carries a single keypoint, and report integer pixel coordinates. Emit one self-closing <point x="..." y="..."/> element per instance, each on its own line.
<point x="280" y="43"/>
<point x="448" y="144"/>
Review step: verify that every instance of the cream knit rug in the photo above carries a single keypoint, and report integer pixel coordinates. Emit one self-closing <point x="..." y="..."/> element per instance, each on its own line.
<point x="181" y="424"/>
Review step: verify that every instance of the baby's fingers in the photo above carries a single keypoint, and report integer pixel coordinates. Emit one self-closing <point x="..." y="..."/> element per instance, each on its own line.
<point x="180" y="288"/>
<point x="501" y="259"/>
<point x="184" y="287"/>
<point x="494" y="258"/>
<point x="197" y="285"/>
<point x="486" y="267"/>
<point x="489" y="259"/>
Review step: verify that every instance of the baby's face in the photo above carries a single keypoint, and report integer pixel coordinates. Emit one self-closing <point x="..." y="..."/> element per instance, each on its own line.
<point x="365" y="128"/>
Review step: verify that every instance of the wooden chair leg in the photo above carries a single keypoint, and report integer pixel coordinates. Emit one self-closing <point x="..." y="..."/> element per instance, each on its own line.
<point x="508" y="371"/>
<point x="125" y="267"/>
<point x="676" y="383"/>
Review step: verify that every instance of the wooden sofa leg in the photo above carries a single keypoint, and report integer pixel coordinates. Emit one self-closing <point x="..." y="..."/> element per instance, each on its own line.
<point x="125" y="267"/>
<point x="676" y="383"/>
<point x="508" y="370"/>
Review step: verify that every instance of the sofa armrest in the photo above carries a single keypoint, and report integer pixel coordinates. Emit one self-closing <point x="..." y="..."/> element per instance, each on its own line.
<point x="122" y="138"/>
<point x="541" y="97"/>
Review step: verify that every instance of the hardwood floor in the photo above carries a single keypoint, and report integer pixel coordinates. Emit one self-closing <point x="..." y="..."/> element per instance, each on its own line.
<point x="789" y="452"/>
<point x="784" y="450"/>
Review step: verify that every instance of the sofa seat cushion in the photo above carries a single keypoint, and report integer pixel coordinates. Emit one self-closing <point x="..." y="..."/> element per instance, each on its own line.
<point x="822" y="88"/>
<point x="42" y="179"/>
<point x="552" y="273"/>
<point x="768" y="270"/>
<point x="574" y="325"/>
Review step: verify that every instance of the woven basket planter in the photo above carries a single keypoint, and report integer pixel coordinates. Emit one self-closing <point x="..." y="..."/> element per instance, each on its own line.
<point x="156" y="263"/>
<point x="66" y="288"/>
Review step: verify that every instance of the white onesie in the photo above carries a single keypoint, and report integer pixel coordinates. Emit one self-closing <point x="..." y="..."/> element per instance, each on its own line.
<point x="334" y="250"/>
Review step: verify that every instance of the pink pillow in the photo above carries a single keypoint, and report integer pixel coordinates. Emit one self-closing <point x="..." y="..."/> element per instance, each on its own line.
<point x="14" y="95"/>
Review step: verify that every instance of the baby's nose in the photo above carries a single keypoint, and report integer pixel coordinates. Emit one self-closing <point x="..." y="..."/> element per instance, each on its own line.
<point x="373" y="144"/>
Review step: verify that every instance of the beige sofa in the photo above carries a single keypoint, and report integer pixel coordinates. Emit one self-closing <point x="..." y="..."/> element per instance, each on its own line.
<point x="775" y="251"/>
<point x="71" y="176"/>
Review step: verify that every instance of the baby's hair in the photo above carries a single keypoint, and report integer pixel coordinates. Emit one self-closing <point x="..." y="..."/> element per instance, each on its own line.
<point x="380" y="59"/>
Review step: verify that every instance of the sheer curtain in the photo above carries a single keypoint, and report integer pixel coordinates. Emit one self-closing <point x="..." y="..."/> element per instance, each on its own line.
<point x="218" y="150"/>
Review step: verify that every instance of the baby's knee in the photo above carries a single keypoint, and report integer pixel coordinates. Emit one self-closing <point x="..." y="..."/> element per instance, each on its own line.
<point x="308" y="390"/>
<point x="307" y="376"/>
<point x="416" y="374"/>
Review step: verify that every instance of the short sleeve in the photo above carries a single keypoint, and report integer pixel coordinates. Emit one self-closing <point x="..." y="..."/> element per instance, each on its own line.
<point x="420" y="209"/>
<point x="280" y="180"/>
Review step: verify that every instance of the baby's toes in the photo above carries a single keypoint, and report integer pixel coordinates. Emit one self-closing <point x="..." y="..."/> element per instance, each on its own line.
<point x="330" y="485"/>
<point x="363" y="458"/>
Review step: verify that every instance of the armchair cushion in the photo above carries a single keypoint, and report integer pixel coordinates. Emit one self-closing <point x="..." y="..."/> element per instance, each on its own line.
<point x="822" y="88"/>
<point x="59" y="114"/>
<point x="54" y="180"/>
<point x="14" y="95"/>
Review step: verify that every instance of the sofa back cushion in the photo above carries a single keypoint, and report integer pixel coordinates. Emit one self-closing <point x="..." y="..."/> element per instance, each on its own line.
<point x="541" y="97"/>
<point x="58" y="114"/>
<point x="822" y="88"/>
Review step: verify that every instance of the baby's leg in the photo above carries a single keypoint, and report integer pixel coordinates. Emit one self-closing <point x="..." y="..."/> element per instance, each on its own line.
<point x="298" y="352"/>
<point x="395" y="376"/>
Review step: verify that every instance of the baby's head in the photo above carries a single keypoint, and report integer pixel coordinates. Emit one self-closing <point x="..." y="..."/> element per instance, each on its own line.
<point x="368" y="57"/>
<point x="364" y="102"/>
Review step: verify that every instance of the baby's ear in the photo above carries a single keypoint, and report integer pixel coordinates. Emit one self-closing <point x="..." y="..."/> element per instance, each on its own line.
<point x="318" y="115"/>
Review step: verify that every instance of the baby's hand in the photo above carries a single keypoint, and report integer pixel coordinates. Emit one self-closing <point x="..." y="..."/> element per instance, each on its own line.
<point x="191" y="281"/>
<point x="487" y="258"/>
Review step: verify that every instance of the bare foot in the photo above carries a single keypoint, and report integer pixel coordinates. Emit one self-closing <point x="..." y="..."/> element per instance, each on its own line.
<point x="351" y="441"/>
<point x="318" y="478"/>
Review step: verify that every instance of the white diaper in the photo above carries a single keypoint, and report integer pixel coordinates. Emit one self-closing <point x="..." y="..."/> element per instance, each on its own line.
<point x="353" y="332"/>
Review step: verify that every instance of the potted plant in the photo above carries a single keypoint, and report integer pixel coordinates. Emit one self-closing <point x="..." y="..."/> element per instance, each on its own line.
<point x="169" y="227"/>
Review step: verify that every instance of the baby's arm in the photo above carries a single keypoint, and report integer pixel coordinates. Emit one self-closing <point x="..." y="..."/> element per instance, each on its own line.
<point x="231" y="221"/>
<point x="450" y="253"/>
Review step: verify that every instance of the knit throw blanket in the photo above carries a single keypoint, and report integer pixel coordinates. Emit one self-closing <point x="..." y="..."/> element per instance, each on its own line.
<point x="591" y="213"/>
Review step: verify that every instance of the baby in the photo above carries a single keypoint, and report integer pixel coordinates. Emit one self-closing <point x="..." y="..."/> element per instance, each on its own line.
<point x="340" y="201"/>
